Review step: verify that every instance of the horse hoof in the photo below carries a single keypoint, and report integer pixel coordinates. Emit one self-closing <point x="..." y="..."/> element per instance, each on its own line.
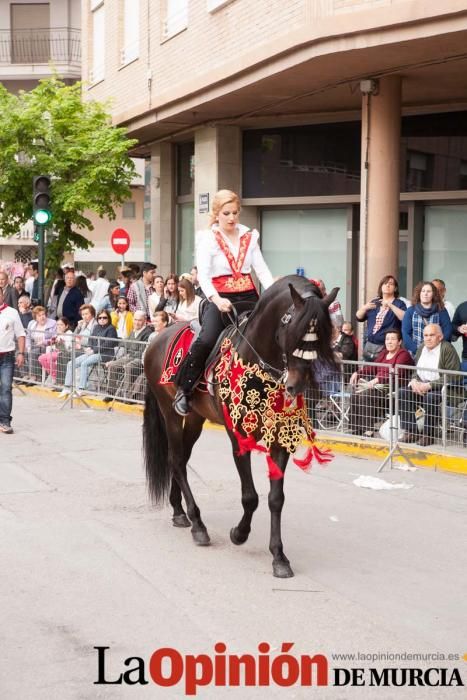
<point x="180" y="521"/>
<point x="282" y="569"/>
<point x="236" y="538"/>
<point x="201" y="538"/>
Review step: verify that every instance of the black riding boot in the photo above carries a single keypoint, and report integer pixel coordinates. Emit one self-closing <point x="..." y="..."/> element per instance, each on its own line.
<point x="188" y="376"/>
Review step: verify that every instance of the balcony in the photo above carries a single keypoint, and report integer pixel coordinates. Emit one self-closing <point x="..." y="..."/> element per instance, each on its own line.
<point x="22" y="50"/>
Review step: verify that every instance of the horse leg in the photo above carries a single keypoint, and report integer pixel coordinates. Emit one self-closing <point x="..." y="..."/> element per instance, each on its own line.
<point x="280" y="564"/>
<point x="239" y="534"/>
<point x="191" y="432"/>
<point x="177" y="452"/>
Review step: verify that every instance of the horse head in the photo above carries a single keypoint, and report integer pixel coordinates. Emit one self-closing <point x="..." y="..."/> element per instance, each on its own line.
<point x="305" y="337"/>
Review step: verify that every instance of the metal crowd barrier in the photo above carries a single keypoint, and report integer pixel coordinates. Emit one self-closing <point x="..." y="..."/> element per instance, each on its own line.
<point x="346" y="401"/>
<point x="66" y="365"/>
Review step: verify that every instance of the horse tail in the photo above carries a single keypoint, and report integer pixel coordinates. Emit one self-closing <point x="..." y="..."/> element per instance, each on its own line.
<point x="155" y="447"/>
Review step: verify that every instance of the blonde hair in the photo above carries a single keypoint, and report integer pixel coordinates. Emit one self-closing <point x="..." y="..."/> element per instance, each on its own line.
<point x="220" y="199"/>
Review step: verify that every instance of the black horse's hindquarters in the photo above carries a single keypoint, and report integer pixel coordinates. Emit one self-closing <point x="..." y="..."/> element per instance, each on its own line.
<point x="168" y="440"/>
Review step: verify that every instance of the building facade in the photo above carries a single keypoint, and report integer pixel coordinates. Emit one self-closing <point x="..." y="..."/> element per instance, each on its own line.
<point x="38" y="39"/>
<point x="342" y="123"/>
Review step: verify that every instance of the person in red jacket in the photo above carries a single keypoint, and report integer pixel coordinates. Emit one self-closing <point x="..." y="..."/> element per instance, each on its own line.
<point x="370" y="385"/>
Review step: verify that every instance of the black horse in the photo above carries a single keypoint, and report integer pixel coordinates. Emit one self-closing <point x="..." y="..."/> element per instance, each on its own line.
<point x="288" y="320"/>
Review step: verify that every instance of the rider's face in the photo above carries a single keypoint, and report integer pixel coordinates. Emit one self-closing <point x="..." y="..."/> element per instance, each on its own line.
<point x="228" y="217"/>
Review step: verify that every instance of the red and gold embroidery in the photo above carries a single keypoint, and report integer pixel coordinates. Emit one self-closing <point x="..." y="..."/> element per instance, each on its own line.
<point x="254" y="402"/>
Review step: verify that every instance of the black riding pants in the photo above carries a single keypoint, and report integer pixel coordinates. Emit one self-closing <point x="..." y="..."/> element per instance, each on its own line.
<point x="212" y="324"/>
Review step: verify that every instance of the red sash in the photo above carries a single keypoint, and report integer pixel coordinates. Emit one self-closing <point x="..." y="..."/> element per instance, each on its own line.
<point x="238" y="281"/>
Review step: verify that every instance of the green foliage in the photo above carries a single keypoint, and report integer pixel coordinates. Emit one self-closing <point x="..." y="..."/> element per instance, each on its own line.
<point x="51" y="130"/>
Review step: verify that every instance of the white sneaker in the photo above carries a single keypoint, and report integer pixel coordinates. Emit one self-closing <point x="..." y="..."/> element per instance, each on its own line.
<point x="63" y="393"/>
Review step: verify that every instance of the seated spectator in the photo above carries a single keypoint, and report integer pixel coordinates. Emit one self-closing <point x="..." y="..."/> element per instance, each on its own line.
<point x="161" y="321"/>
<point x="129" y="366"/>
<point x="122" y="318"/>
<point x="60" y="347"/>
<point x="40" y="332"/>
<point x="100" y="348"/>
<point x="426" y="308"/>
<point x="24" y="310"/>
<point x="424" y="389"/>
<point x="370" y="384"/>
<point x="188" y="308"/>
<point x="382" y="312"/>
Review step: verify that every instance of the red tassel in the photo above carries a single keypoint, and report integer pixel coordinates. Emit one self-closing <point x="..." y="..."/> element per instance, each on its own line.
<point x="305" y="463"/>
<point x="245" y="444"/>
<point x="322" y="456"/>
<point x="274" y="471"/>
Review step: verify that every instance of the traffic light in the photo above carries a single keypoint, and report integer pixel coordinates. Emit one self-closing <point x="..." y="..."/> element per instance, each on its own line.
<point x="41" y="201"/>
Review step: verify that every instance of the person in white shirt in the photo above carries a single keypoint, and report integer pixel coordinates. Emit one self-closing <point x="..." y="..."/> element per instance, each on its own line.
<point x="99" y="288"/>
<point x="155" y="298"/>
<point x="225" y="255"/>
<point x="424" y="389"/>
<point x="11" y="330"/>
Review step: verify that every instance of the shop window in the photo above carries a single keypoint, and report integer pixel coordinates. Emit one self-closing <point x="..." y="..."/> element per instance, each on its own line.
<point x="185" y="168"/>
<point x="419" y="171"/>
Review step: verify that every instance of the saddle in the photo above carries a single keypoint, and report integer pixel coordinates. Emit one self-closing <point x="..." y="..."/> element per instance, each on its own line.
<point x="180" y="347"/>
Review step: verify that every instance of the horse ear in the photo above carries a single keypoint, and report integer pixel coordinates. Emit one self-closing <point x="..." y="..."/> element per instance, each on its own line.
<point x="298" y="302"/>
<point x="329" y="298"/>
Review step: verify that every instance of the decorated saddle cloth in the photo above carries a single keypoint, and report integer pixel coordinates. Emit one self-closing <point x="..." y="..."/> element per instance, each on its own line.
<point x="254" y="403"/>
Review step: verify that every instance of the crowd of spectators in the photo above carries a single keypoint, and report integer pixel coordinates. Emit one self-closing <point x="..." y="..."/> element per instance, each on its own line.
<point x="111" y="321"/>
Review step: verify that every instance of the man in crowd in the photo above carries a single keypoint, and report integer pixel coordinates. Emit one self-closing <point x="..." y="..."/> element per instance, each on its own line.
<point x="9" y="294"/>
<point x="11" y="330"/>
<point x="459" y="328"/>
<point x="130" y="363"/>
<point x="70" y="300"/>
<point x="32" y="283"/>
<point x="424" y="389"/>
<point x="141" y="290"/>
<point x="441" y="287"/>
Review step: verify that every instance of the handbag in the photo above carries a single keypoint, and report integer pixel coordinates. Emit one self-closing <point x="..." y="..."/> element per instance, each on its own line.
<point x="371" y="351"/>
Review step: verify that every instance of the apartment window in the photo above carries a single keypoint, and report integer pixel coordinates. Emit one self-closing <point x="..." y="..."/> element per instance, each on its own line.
<point x="98" y="41"/>
<point x="30" y="32"/>
<point x="176" y="18"/>
<point x="129" y="210"/>
<point x="130" y="48"/>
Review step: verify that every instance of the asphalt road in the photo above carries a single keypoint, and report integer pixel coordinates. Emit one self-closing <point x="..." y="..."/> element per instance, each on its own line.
<point x="87" y="561"/>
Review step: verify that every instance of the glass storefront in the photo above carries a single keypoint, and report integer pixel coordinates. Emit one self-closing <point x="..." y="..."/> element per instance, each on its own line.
<point x="445" y="248"/>
<point x="185" y="237"/>
<point x="312" y="239"/>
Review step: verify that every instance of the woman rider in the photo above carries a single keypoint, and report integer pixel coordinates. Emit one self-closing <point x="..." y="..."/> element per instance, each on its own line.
<point x="225" y="254"/>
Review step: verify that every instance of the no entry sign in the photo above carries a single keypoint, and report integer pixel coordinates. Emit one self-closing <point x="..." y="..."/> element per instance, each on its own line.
<point x="120" y="241"/>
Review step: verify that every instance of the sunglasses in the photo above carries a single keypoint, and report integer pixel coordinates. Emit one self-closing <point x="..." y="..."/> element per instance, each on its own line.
<point x="102" y="318"/>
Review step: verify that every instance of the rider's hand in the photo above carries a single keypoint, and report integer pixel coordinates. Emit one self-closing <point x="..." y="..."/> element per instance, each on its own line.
<point x="222" y="303"/>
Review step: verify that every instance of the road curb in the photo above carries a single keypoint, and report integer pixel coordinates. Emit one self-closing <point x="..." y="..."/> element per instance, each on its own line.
<point x="353" y="447"/>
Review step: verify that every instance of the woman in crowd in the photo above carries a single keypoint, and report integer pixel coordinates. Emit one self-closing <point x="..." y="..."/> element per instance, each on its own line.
<point x="370" y="384"/>
<point x="40" y="332"/>
<point x="427" y="308"/>
<point x="158" y="294"/>
<point x="188" y="308"/>
<point x="100" y="348"/>
<point x="171" y="298"/>
<point x="226" y="247"/>
<point x="82" y="285"/>
<point x="385" y="311"/>
<point x="60" y="346"/>
<point x="122" y="318"/>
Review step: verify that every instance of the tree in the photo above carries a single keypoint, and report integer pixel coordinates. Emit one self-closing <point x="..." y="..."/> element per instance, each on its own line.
<point x="51" y="130"/>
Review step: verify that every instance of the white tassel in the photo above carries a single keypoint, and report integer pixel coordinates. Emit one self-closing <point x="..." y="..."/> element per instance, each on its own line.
<point x="297" y="353"/>
<point x="310" y="336"/>
<point x="309" y="354"/>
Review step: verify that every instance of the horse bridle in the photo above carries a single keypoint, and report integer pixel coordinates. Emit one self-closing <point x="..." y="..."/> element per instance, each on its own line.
<point x="280" y="374"/>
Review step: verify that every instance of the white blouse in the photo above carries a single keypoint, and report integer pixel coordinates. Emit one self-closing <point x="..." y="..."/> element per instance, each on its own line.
<point x="188" y="311"/>
<point x="211" y="261"/>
